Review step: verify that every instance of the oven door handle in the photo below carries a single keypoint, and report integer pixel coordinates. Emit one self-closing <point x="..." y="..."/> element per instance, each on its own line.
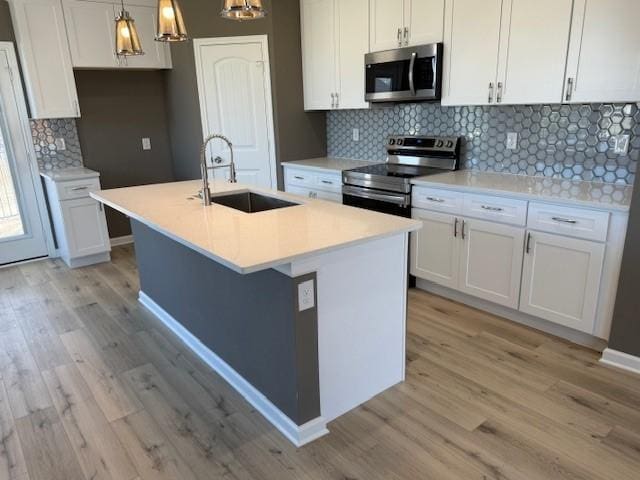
<point x="382" y="197"/>
<point x="412" y="66"/>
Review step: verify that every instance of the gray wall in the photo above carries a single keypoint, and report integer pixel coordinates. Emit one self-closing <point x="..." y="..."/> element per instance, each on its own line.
<point x="6" y="29"/>
<point x="250" y="321"/>
<point x="625" y="331"/>
<point x="298" y="134"/>
<point x="118" y="109"/>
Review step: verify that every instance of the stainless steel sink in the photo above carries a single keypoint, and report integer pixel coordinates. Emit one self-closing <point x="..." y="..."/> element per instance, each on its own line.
<point x="250" y="202"/>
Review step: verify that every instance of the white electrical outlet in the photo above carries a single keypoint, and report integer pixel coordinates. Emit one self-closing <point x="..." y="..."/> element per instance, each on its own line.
<point x="306" y="295"/>
<point x="621" y="144"/>
<point x="512" y="140"/>
<point x="146" y="143"/>
<point x="356" y="134"/>
<point x="60" y="143"/>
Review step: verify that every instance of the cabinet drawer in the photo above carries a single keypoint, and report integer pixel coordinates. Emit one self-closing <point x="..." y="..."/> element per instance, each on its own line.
<point x="298" y="177"/>
<point x="329" y="182"/>
<point x="77" y="188"/>
<point x="314" y="193"/>
<point x="574" y="222"/>
<point x="497" y="209"/>
<point x="436" y="199"/>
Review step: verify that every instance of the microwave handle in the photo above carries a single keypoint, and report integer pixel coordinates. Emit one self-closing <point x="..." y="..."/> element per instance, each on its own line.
<point x="412" y="66"/>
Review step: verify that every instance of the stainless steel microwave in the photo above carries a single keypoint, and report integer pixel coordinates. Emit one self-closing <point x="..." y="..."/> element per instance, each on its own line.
<point x="409" y="74"/>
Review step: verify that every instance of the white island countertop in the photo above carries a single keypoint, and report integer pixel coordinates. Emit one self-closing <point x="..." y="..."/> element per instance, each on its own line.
<point x="605" y="196"/>
<point x="250" y="242"/>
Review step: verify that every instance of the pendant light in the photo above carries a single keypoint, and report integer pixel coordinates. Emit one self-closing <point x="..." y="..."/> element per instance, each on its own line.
<point x="127" y="41"/>
<point x="242" y="9"/>
<point x="170" y="24"/>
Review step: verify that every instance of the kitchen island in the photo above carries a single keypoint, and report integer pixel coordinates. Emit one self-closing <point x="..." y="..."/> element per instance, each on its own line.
<point x="302" y="308"/>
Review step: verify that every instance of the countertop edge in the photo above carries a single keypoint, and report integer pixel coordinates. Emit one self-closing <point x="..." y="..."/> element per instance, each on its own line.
<point x="318" y="168"/>
<point x="251" y="268"/>
<point x="524" y="196"/>
<point x="50" y="175"/>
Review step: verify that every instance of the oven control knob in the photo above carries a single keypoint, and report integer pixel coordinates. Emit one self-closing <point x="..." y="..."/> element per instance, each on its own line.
<point x="449" y="144"/>
<point x="439" y="143"/>
<point x="392" y="141"/>
<point x="399" y="142"/>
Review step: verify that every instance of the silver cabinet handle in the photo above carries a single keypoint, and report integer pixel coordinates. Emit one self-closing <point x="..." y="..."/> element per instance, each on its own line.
<point x="412" y="66"/>
<point x="455" y="228"/>
<point x="77" y="189"/>
<point x="490" y="100"/>
<point x="569" y="89"/>
<point x="327" y="182"/>
<point x="528" y="245"/>
<point x="400" y="37"/>
<point x="434" y="199"/>
<point x="297" y="177"/>
<point x="491" y="209"/>
<point x="337" y="100"/>
<point x="564" y="220"/>
<point x="333" y="100"/>
<point x="406" y="36"/>
<point x="462" y="231"/>
<point x="499" y="94"/>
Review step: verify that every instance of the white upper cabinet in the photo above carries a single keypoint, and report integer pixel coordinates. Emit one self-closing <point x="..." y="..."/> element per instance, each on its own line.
<point x="604" y="52"/>
<point x="45" y="59"/>
<point x="156" y="54"/>
<point x="91" y="32"/>
<point x="533" y="51"/>
<point x="472" y="39"/>
<point x="401" y="23"/>
<point x="335" y="38"/>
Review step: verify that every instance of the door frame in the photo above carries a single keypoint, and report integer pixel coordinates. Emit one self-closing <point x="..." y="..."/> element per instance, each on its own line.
<point x="263" y="40"/>
<point x="34" y="172"/>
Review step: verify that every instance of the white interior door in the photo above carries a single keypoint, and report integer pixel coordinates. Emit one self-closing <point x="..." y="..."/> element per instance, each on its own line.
<point x="491" y="261"/>
<point x="235" y="101"/>
<point x="21" y="224"/>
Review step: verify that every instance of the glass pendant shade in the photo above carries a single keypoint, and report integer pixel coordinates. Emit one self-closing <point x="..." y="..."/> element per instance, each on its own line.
<point x="170" y="23"/>
<point x="127" y="40"/>
<point x="242" y="9"/>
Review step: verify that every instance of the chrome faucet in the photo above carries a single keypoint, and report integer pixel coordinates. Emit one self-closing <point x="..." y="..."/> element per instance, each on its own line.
<point x="206" y="193"/>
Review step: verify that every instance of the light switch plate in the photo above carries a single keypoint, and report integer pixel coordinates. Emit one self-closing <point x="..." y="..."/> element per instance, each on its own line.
<point x="621" y="144"/>
<point x="306" y="295"/>
<point x="146" y="143"/>
<point x="355" y="134"/>
<point x="60" y="143"/>
<point x="512" y="140"/>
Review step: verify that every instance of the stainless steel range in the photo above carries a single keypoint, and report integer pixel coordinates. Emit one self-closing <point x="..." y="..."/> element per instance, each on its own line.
<point x="386" y="187"/>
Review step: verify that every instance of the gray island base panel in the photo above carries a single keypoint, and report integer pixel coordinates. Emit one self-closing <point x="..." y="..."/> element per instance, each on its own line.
<point x="250" y="321"/>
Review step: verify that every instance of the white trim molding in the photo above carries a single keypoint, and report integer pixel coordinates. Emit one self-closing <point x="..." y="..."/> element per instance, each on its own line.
<point x="615" y="358"/>
<point x="299" y="435"/>
<point x="124" y="240"/>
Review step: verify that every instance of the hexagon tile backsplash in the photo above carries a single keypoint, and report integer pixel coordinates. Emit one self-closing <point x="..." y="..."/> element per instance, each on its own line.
<point x="49" y="156"/>
<point x="561" y="141"/>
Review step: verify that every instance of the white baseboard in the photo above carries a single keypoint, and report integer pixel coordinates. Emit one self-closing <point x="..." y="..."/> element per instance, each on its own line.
<point x="621" y="360"/>
<point x="299" y="435"/>
<point x="124" y="240"/>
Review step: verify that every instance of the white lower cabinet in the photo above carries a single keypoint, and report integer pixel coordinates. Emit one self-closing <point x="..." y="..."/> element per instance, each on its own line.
<point x="324" y="185"/>
<point x="491" y="261"/>
<point x="561" y="279"/>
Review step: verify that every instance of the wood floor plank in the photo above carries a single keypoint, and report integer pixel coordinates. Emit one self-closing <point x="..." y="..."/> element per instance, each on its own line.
<point x="47" y="449"/>
<point x="624" y="441"/>
<point x="26" y="391"/>
<point x="115" y="398"/>
<point x="97" y="447"/>
<point x="12" y="464"/>
<point x="49" y="305"/>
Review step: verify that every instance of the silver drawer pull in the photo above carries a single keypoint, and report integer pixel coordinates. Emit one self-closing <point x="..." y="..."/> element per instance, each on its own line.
<point x="77" y="189"/>
<point x="564" y="220"/>
<point x="298" y="178"/>
<point x="327" y="182"/>
<point x="491" y="209"/>
<point x="434" y="199"/>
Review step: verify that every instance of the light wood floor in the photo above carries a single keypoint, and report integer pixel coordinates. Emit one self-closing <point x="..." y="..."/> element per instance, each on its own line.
<point x="93" y="388"/>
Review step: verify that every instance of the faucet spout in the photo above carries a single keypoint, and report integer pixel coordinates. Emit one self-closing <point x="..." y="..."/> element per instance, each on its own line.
<point x="204" y="169"/>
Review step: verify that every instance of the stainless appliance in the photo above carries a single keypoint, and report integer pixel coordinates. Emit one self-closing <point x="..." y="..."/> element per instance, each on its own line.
<point x="386" y="187"/>
<point x="404" y="75"/>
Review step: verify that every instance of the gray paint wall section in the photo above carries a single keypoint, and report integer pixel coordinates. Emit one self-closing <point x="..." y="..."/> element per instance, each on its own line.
<point x="298" y="134"/>
<point x="625" y="331"/>
<point x="250" y="321"/>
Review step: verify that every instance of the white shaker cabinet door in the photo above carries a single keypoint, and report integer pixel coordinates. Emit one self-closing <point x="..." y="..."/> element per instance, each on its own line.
<point x="352" y="28"/>
<point x="561" y="279"/>
<point x="472" y="38"/>
<point x="91" y="32"/>
<point x="533" y="51"/>
<point x="318" y="53"/>
<point x="156" y="54"/>
<point x="424" y="21"/>
<point x="386" y="24"/>
<point x="43" y="50"/>
<point x="434" y="248"/>
<point x="491" y="261"/>
<point x="85" y="227"/>
<point x="604" y="52"/>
